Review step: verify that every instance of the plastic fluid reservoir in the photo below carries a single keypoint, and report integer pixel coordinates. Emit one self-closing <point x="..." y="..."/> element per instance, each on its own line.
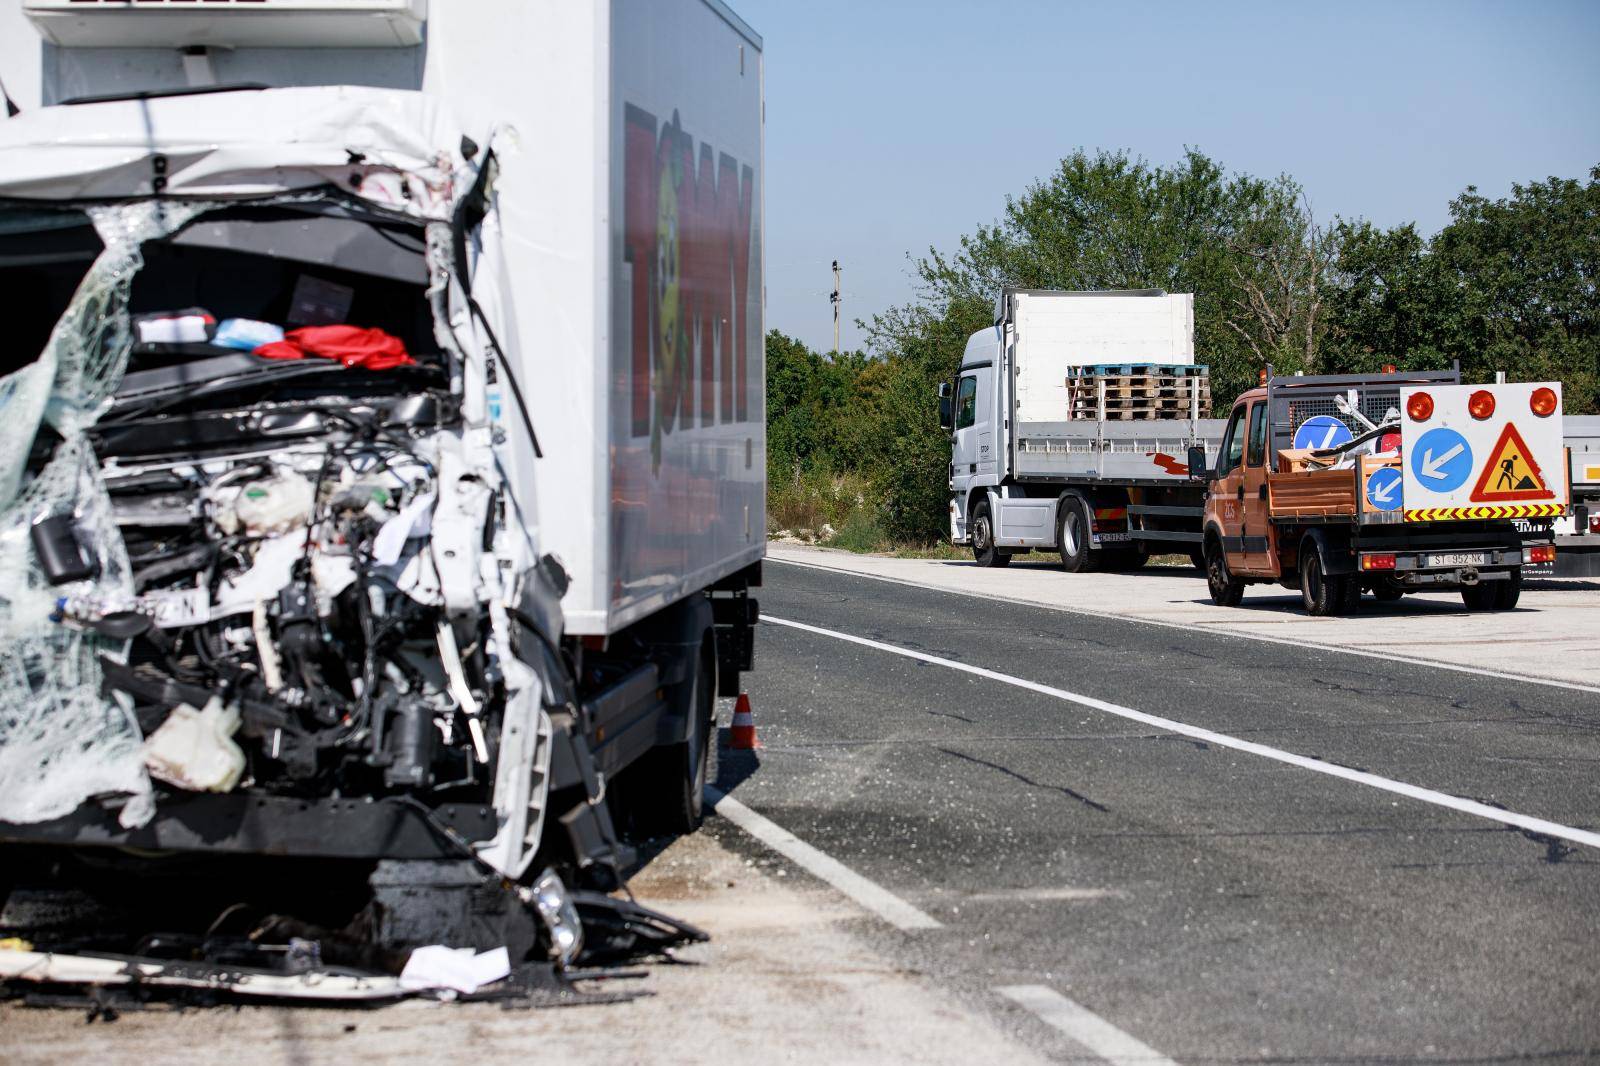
<point x="274" y="505"/>
<point x="195" y="749"/>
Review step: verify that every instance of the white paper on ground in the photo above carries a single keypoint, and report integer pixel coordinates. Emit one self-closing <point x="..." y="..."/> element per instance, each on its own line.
<point x="455" y="968"/>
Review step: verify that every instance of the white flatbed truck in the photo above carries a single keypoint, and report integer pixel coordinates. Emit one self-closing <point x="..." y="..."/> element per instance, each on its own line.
<point x="1045" y="455"/>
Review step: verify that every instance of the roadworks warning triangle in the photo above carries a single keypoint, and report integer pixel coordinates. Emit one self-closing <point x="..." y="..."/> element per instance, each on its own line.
<point x="1510" y="473"/>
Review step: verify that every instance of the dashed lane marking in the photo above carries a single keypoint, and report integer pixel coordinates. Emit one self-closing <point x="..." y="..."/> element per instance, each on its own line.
<point x="1360" y="777"/>
<point x="1083" y="1026"/>
<point x="871" y="895"/>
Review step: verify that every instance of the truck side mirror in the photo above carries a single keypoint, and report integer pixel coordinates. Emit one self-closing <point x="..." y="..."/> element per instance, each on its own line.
<point x="946" y="418"/>
<point x="1198" y="471"/>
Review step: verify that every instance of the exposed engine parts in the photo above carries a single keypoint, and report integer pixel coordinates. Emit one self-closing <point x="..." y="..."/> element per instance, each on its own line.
<point x="306" y="587"/>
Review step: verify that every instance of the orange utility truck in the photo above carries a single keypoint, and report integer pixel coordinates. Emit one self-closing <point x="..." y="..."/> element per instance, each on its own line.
<point x="1389" y="484"/>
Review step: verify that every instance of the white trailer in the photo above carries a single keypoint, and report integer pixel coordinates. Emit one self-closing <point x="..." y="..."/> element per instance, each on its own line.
<point x="555" y="210"/>
<point x="1578" y="535"/>
<point x="1041" y="463"/>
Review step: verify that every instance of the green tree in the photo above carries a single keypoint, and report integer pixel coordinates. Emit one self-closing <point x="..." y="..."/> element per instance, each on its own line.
<point x="1507" y="285"/>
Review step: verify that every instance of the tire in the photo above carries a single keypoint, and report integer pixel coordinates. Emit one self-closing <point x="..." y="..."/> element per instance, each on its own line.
<point x="1197" y="559"/>
<point x="1226" y="590"/>
<point x="670" y="800"/>
<point x="1494" y="595"/>
<point x="1509" y="592"/>
<point x="1387" y="593"/>
<point x="983" y="549"/>
<point x="1074" y="535"/>
<point x="1325" y="595"/>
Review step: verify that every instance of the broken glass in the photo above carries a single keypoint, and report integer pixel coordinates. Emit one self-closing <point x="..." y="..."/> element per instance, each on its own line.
<point x="61" y="741"/>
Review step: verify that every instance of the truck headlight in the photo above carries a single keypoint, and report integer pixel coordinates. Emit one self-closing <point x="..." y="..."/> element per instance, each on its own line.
<point x="560" y="916"/>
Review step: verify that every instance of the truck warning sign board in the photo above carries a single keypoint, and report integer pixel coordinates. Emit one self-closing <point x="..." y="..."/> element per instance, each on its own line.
<point x="1512" y="471"/>
<point x="1482" y="451"/>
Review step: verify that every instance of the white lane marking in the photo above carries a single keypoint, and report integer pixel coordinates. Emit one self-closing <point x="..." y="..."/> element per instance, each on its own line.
<point x="1222" y="740"/>
<point x="1084" y="1026"/>
<point x="1188" y="627"/>
<point x="1042" y="895"/>
<point x="871" y="895"/>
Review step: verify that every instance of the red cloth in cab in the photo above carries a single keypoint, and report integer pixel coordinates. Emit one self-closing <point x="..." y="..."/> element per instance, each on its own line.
<point x="369" y="349"/>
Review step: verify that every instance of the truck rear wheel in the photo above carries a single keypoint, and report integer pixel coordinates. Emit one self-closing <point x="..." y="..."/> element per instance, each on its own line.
<point x="983" y="549"/>
<point x="672" y="779"/>
<point x="1493" y="595"/>
<point x="1226" y="590"/>
<point x="1387" y="591"/>
<point x="1325" y="594"/>
<point x="1075" y="535"/>
<point x="1509" y="591"/>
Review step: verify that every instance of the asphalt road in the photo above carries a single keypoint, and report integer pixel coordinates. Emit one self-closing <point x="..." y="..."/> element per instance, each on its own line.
<point x="1216" y="905"/>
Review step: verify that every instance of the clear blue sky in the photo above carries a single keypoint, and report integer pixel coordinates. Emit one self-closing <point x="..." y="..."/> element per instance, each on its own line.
<point x="893" y="125"/>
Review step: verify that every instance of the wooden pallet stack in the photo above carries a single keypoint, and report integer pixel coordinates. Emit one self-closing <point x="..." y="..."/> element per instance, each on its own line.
<point x="1139" y="391"/>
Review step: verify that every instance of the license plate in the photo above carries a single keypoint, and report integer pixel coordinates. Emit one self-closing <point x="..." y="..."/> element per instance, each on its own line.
<point x="178" y="607"/>
<point x="1111" y="538"/>
<point x="1458" y="559"/>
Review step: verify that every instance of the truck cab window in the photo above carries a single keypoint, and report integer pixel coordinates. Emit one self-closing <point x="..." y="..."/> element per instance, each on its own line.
<point x="1258" y="434"/>
<point x="966" y="402"/>
<point x="1232" y="443"/>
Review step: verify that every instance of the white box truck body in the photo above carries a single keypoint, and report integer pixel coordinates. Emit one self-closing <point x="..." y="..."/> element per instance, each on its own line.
<point x="556" y="438"/>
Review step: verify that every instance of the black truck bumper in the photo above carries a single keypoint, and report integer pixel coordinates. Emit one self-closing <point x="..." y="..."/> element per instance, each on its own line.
<point x="242" y="824"/>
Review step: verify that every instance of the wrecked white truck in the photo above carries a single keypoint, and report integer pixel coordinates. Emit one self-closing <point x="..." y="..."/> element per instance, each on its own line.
<point x="381" y="469"/>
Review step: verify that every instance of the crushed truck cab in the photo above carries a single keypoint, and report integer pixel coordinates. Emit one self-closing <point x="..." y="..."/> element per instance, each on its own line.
<point x="1387" y="484"/>
<point x="377" y="487"/>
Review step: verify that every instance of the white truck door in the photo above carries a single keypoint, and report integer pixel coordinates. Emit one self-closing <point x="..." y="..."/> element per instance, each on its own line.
<point x="964" y="449"/>
<point x="987" y="456"/>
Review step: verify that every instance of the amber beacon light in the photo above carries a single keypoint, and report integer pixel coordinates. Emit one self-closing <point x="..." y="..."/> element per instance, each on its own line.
<point x="1481" y="404"/>
<point x="1420" y="407"/>
<point x="1543" y="401"/>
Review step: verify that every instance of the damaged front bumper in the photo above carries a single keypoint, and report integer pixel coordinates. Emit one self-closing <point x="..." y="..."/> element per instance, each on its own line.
<point x="247" y="824"/>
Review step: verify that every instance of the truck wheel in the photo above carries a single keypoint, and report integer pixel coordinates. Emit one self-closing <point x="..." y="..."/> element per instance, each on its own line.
<point x="1325" y="595"/>
<point x="1494" y="595"/>
<point x="672" y="779"/>
<point x="1387" y="592"/>
<point x="1226" y="590"/>
<point x="1509" y="592"/>
<point x="1074" y="535"/>
<point x="983" y="549"/>
<point x="1197" y="558"/>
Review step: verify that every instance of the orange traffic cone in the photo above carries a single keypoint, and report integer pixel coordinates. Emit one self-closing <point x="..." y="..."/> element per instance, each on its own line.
<point x="742" y="737"/>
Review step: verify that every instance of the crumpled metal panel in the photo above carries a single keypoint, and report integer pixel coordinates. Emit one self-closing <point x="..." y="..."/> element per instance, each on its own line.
<point x="397" y="150"/>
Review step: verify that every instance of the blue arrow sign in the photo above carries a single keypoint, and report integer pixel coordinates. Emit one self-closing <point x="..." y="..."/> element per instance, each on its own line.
<point x="1441" y="460"/>
<point x="1383" y="489"/>
<point x="1321" y="431"/>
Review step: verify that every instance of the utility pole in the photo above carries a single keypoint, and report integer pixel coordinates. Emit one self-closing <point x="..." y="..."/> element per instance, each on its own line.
<point x="835" y="299"/>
